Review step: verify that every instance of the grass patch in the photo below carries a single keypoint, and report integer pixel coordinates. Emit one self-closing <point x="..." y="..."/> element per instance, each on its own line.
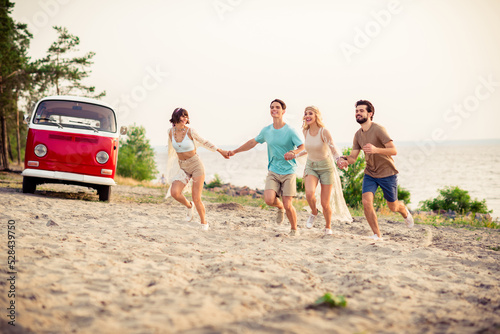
<point x="149" y="199"/>
<point x="459" y="221"/>
<point x="128" y="181"/>
<point x="247" y="200"/>
<point x="213" y="197"/>
<point x="438" y="220"/>
<point x="330" y="300"/>
<point x="11" y="177"/>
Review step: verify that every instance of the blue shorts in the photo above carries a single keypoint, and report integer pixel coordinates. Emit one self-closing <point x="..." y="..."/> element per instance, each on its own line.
<point x="388" y="184"/>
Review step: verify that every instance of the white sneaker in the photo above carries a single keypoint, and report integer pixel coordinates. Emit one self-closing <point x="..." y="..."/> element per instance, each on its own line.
<point x="190" y="213"/>
<point x="204" y="227"/>
<point x="328" y="231"/>
<point x="293" y="233"/>
<point x="280" y="218"/>
<point x="409" y="219"/>
<point x="310" y="220"/>
<point x="376" y="238"/>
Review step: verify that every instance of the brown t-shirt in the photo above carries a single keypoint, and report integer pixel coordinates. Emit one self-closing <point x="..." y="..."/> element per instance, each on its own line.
<point x="377" y="165"/>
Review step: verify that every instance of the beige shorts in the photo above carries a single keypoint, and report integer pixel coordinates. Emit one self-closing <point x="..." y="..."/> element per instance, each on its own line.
<point x="283" y="185"/>
<point x="193" y="166"/>
<point x="323" y="170"/>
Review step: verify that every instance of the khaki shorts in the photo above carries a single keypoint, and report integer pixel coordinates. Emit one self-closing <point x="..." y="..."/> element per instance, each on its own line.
<point x="193" y="166"/>
<point x="323" y="170"/>
<point x="283" y="185"/>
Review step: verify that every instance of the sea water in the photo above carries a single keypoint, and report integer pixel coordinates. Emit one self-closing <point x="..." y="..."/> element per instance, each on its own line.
<point x="424" y="168"/>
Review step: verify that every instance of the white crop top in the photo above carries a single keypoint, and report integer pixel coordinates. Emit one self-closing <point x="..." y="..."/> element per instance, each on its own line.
<point x="186" y="145"/>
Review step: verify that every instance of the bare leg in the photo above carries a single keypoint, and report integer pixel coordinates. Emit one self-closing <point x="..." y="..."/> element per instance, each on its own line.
<point x="290" y="211"/>
<point x="272" y="200"/>
<point x="176" y="191"/>
<point x="196" y="192"/>
<point x="311" y="182"/>
<point x="326" y="194"/>
<point x="398" y="207"/>
<point x="370" y="214"/>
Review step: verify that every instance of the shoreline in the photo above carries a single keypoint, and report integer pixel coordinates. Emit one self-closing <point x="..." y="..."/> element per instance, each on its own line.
<point x="133" y="265"/>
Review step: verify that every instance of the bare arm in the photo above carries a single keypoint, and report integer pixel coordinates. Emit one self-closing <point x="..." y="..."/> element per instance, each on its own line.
<point x="245" y="147"/>
<point x="299" y="149"/>
<point x="346" y="160"/>
<point x="353" y="156"/>
<point x="295" y="153"/>
<point x="389" y="149"/>
<point x="304" y="152"/>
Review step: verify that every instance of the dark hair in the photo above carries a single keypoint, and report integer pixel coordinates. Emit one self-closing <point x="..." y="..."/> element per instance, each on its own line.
<point x="283" y="105"/>
<point x="369" y="107"/>
<point x="177" y="114"/>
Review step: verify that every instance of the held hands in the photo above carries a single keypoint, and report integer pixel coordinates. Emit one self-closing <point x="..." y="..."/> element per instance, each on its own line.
<point x="224" y="153"/>
<point x="342" y="162"/>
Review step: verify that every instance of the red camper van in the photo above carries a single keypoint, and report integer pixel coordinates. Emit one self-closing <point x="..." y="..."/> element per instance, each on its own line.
<point x="72" y="140"/>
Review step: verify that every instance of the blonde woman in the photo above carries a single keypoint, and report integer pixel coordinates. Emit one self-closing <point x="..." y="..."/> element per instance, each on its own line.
<point x="184" y="164"/>
<point x="320" y="168"/>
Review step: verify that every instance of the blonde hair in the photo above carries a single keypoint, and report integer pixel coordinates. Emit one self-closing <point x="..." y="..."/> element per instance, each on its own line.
<point x="319" y="120"/>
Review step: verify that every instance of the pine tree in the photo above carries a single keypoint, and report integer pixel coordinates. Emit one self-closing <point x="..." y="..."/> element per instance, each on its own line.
<point x="14" y="44"/>
<point x="61" y="74"/>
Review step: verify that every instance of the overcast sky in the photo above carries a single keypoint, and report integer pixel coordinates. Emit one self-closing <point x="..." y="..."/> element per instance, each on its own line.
<point x="431" y="68"/>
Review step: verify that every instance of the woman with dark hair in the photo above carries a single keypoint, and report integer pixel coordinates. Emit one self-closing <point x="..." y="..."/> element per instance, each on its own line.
<point x="184" y="164"/>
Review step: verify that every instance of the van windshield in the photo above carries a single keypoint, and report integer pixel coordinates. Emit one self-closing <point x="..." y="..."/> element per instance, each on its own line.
<point x="71" y="114"/>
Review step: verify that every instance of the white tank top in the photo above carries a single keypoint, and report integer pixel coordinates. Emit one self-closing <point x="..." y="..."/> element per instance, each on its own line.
<point x="186" y="145"/>
<point x="317" y="150"/>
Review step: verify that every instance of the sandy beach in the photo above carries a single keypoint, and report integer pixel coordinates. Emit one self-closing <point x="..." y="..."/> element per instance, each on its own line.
<point x="84" y="266"/>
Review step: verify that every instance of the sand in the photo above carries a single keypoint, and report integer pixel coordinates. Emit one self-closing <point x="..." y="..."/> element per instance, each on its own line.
<point x="85" y="266"/>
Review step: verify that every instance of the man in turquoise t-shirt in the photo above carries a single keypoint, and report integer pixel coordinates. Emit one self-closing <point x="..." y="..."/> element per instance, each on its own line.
<point x="282" y="140"/>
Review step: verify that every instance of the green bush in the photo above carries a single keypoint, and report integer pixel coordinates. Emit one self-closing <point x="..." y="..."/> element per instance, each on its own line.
<point x="352" y="180"/>
<point x="136" y="157"/>
<point x="455" y="199"/>
<point x="216" y="182"/>
<point x="300" y="185"/>
<point x="404" y="195"/>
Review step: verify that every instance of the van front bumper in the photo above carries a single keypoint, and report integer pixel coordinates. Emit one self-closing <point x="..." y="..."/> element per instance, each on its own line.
<point x="46" y="174"/>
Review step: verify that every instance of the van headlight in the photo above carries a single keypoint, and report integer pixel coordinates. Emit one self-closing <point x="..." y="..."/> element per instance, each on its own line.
<point x="102" y="157"/>
<point x="40" y="150"/>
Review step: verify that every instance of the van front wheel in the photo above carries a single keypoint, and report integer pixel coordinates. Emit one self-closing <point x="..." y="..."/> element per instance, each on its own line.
<point x="29" y="185"/>
<point x="104" y="193"/>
